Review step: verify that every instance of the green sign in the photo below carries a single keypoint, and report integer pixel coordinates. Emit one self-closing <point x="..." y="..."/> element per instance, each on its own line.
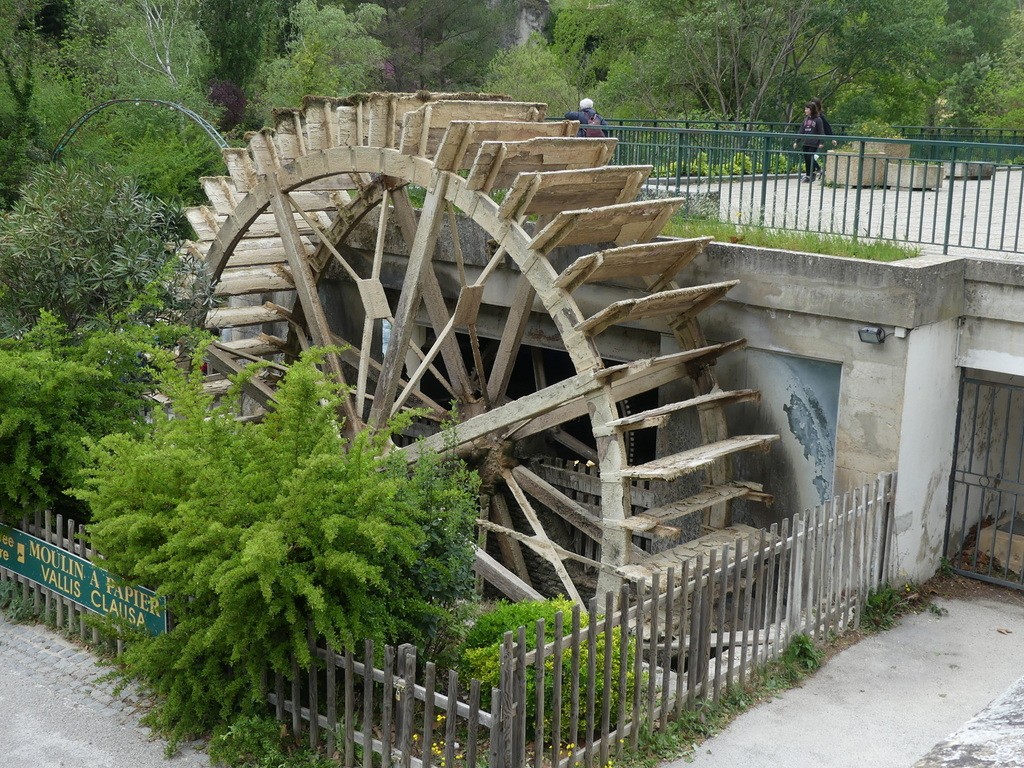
<point x="80" y="581"/>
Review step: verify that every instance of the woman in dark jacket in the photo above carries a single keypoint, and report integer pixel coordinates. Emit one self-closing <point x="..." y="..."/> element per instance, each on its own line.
<point x="811" y="131"/>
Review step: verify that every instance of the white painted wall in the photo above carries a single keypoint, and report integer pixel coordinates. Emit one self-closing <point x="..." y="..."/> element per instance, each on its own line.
<point x="927" y="432"/>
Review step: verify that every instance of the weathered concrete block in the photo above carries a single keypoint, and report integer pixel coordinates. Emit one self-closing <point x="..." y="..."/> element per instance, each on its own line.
<point x="850" y="169"/>
<point x="914" y="176"/>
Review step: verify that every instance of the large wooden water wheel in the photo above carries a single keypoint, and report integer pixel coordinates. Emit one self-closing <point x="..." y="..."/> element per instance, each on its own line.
<point x="429" y="235"/>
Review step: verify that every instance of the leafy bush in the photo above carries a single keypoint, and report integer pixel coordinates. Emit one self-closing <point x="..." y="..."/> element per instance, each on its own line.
<point x="59" y="389"/>
<point x="98" y="253"/>
<point x="262" y="742"/>
<point x="252" y="529"/>
<point x="481" y="659"/>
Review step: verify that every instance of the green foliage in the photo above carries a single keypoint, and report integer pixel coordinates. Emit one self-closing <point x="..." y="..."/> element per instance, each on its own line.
<point x="697" y="226"/>
<point x="58" y="390"/>
<point x="16" y="607"/>
<point x="252" y="529"/>
<point x="532" y="72"/>
<point x="331" y="52"/>
<point x="481" y="658"/>
<point x="262" y="742"/>
<point x="94" y="250"/>
<point x="886" y="605"/>
<point x="802" y="654"/>
<point x="441" y="44"/>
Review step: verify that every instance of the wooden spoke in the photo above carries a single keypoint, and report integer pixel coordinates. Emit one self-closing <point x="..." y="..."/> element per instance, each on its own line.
<point x="511" y="339"/>
<point x="545" y="547"/>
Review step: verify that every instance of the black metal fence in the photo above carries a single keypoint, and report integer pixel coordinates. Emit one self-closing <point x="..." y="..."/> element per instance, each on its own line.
<point x="914" y="191"/>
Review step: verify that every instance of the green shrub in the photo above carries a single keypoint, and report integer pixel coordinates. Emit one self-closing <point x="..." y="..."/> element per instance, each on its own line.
<point x="56" y="390"/>
<point x="481" y="659"/>
<point x="262" y="742"/>
<point x="249" y="530"/>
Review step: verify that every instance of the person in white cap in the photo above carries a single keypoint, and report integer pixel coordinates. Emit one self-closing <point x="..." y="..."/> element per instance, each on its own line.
<point x="590" y="121"/>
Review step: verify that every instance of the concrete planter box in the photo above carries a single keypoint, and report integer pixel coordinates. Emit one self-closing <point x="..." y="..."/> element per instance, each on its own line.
<point x="907" y="176"/>
<point x="898" y="151"/>
<point x="970" y="170"/>
<point x="849" y="169"/>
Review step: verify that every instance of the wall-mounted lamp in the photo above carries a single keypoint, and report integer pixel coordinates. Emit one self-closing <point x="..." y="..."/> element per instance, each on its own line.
<point x="872" y="334"/>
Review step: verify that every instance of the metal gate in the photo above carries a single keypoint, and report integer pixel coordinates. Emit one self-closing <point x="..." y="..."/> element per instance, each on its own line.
<point x="985" y="525"/>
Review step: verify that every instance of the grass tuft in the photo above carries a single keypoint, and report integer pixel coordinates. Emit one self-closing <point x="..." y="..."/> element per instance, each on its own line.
<point x="805" y="242"/>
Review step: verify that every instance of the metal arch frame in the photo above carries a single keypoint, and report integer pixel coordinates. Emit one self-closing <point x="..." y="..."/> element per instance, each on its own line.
<point x="198" y="119"/>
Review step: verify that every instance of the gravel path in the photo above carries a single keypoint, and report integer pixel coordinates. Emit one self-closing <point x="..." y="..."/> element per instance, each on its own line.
<point x="57" y="714"/>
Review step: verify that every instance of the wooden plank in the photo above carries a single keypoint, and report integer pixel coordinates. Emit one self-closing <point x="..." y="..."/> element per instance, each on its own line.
<point x="551" y="192"/>
<point x="652" y="648"/>
<point x="557" y="502"/>
<point x="736" y="599"/>
<point x="656" y="417"/>
<point x="679" y="304"/>
<point x="368" y="708"/>
<point x="499" y="162"/>
<point x="511" y="339"/>
<point x="540" y="641"/>
<point x="661" y="260"/>
<point x="257" y="346"/>
<point x="782" y="593"/>
<point x="313" y="692"/>
<point x="519" y="745"/>
<point x="556" y="690"/>
<point x="631" y="379"/>
<point x="666" y="648"/>
<point x="677" y="465"/>
<point x="588" y="734"/>
<point x="509" y="546"/>
<point x="638" y="624"/>
<point x="235" y="317"/>
<point x="427" y="740"/>
<point x="502" y="579"/>
<point x="349" y="711"/>
<point x="387" y="704"/>
<point x="473" y="722"/>
<point x="748" y="594"/>
<point x="685" y="462"/>
<point x="463" y="139"/>
<point x="723" y="582"/>
<point x="709" y="496"/>
<point x="685" y="639"/>
<point x="423" y="129"/>
<point x="625" y="224"/>
<point x="451" y="719"/>
<point x="253" y="386"/>
<point x="574" y="678"/>
<point x="250" y="281"/>
<point x="421" y="252"/>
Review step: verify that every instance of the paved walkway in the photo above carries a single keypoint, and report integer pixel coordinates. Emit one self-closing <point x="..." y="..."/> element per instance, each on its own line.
<point x="889" y="699"/>
<point x="58" y="715"/>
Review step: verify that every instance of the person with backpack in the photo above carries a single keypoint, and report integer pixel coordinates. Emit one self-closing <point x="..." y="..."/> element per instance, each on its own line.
<point x="590" y="121"/>
<point x="811" y="131"/>
<point x="827" y="128"/>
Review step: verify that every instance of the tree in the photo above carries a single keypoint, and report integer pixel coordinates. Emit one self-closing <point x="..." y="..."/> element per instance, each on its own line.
<point x="331" y="53"/>
<point x="532" y="72"/>
<point x="252" y="529"/>
<point x="58" y="389"/>
<point x="96" y="252"/>
<point x="241" y="34"/>
<point x="1001" y="104"/>
<point x="441" y="44"/>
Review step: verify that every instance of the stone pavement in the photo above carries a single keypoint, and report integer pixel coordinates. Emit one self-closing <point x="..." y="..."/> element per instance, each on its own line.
<point x="887" y="700"/>
<point x="57" y="714"/>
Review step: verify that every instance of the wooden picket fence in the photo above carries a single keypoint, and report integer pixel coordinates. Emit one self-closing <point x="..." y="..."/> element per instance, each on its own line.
<point x="633" y="661"/>
<point x="65" y="614"/>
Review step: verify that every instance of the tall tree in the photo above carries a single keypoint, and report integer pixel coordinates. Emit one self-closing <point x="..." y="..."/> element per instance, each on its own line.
<point x="240" y="33"/>
<point x="442" y="44"/>
<point x="331" y="52"/>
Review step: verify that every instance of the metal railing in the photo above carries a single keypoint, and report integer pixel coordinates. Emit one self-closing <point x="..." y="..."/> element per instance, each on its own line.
<point x="914" y="191"/>
<point x="926" y="132"/>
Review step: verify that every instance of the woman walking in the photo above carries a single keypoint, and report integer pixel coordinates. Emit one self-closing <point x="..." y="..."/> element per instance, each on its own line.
<point x="811" y="131"/>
